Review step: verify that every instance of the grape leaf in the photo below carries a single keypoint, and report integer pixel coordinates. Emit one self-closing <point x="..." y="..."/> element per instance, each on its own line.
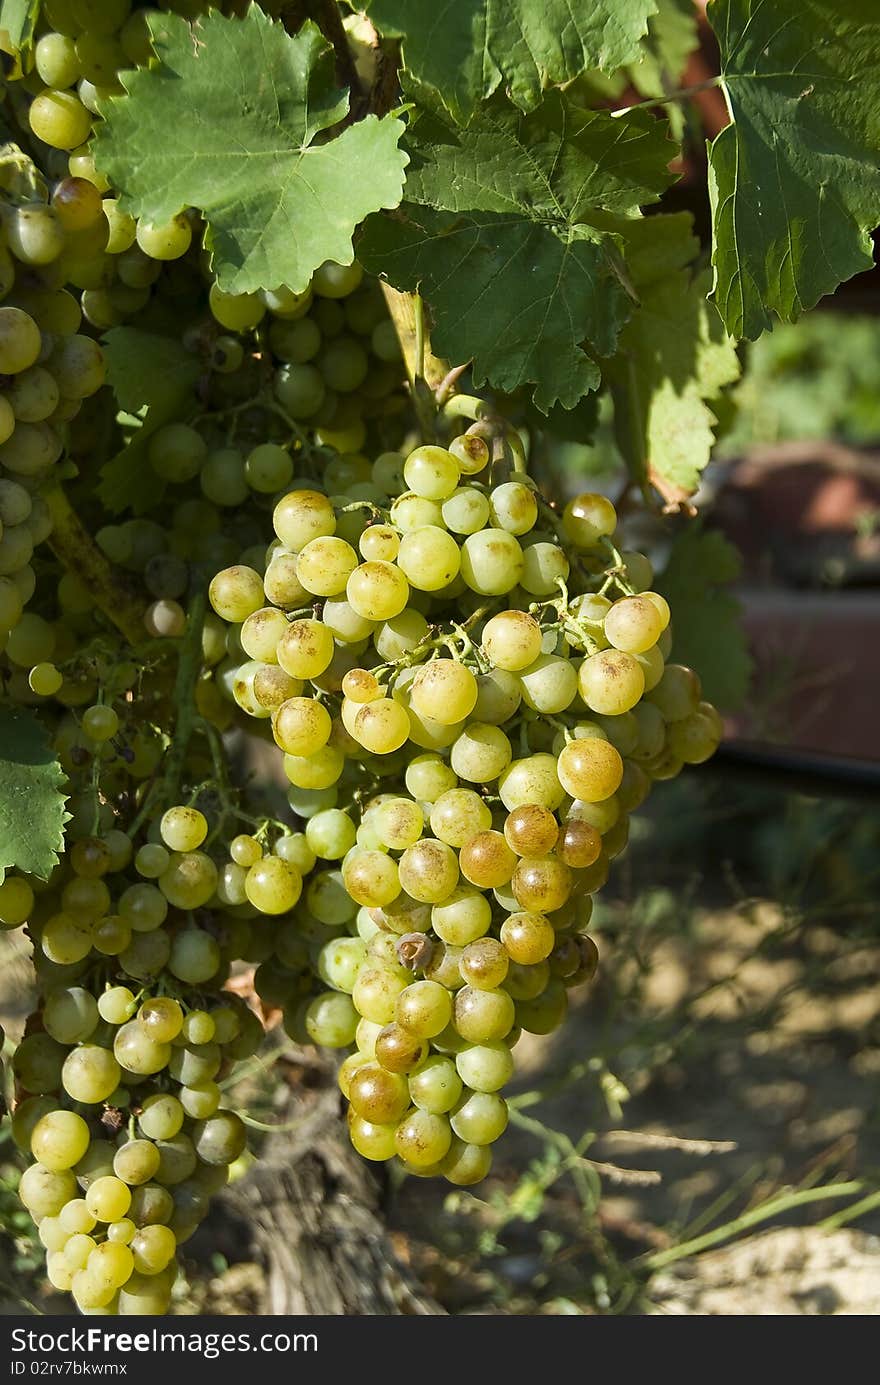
<point x="146" y="368"/>
<point x="794" y="180"/>
<point x="467" y="49"/>
<point x="707" y="630"/>
<point x="153" y="375"/>
<point x="556" y="165"/>
<point x="32" y="796"/>
<point x="515" y="273"/>
<point x="672" y="359"/>
<point x="672" y="37"/>
<point x="506" y="291"/>
<point x="228" y="120"/>
<point x="18" y="20"/>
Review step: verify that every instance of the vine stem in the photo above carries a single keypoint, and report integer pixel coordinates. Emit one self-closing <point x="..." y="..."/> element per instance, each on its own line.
<point x="71" y="542"/>
<point x="775" y="1207"/>
<point x="680" y="95"/>
<point x="188" y="669"/>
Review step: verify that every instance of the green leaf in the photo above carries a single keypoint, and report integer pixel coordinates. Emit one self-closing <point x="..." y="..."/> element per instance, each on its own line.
<point x="507" y="292"/>
<point x="18" y="20"/>
<point x="146" y="368"/>
<point x="673" y="358"/>
<point x="153" y="374"/>
<point x="794" y="180"/>
<point x="467" y="49"/>
<point x="672" y="37"/>
<point x="707" y="631"/>
<point x="32" y="797"/>
<point x="556" y="165"/>
<point x="228" y="120"/>
<point x="516" y="274"/>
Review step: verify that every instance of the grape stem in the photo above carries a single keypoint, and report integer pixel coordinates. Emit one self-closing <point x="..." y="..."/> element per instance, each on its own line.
<point x="166" y="787"/>
<point x="73" y="546"/>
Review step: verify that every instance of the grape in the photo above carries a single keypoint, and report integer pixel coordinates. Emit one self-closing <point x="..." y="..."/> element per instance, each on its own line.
<point x="491" y="562"/>
<point x="90" y="1074"/>
<point x="462" y="916"/>
<point x="16" y="901"/>
<point x="377" y="590"/>
<point x="59" y="1140"/>
<point x="422" y="1138"/>
<point x="70" y="1014"/>
<point x="513" y="507"/>
<point x="429" y="558"/>
<point x="163" y="240"/>
<point x="485" y="1067"/>
<point x="44" y="1192"/>
<point x="20" y="341"/>
<point x="588" y="518"/>
<point x="183" y="829"/>
<point x="590" y="769"/>
<point x="59" y="119"/>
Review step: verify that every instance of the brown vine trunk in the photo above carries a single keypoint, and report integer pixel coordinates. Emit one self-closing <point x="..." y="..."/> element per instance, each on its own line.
<point x="313" y="1207"/>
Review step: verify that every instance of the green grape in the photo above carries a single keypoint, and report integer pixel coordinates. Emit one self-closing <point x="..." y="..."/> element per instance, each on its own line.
<point x="33" y="395"/>
<point x="545" y="565"/>
<point x="221" y="1139"/>
<point x="136" y="1162"/>
<point x="70" y="1014"/>
<point x="485" y="1067"/>
<point x="16" y="901"/>
<point x="331" y="1020"/>
<point x="44" y="1192"/>
<point x="268" y="468"/>
<point x="78" y="365"/>
<point x="462" y="916"/>
<point x="237" y="311"/>
<point x="480" y="1118"/>
<point x="588" y="518"/>
<point x="513" y="507"/>
<point x="163" y="241"/>
<point x="177" y="452"/>
<point x="116" y="1005"/>
<point x="189" y="879"/>
<point x="194" y="956"/>
<point x="344" y="364"/>
<point x="20" y="341"/>
<point x="90" y="1074"/>
<point x="59" y="1140"/>
<point x="37" y="1063"/>
<point x="153" y="1248"/>
<point x="436" y="1086"/>
<point x="108" y="1198"/>
<point x="429" y="558"/>
<point x="491" y="562"/>
<point x="59" y="119"/>
<point x="100" y="723"/>
<point x="299" y="389"/>
<point x="200" y="1102"/>
<point x="481" y="753"/>
<point x="482" y="1016"/>
<point x="161" y="1117"/>
<point x="422" y="1139"/>
<point x="161" y="1019"/>
<point x="377" y="591"/>
<point x="136" y="1052"/>
<point x="483" y="964"/>
<point x="183" y="829"/>
<point x="56" y="61"/>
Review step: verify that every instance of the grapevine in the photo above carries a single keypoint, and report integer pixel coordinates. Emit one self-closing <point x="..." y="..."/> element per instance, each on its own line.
<point x="240" y="491"/>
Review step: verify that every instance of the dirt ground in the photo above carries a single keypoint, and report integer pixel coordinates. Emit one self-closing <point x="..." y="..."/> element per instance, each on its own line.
<point x="693" y="1139"/>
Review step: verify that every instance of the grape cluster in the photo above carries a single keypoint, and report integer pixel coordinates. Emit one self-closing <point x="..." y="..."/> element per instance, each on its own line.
<point x="471" y="694"/>
<point x="120" y="1105"/>
<point x="47" y="368"/>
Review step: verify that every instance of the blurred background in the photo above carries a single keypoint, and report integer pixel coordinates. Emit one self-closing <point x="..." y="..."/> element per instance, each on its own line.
<point x="703" y="1137"/>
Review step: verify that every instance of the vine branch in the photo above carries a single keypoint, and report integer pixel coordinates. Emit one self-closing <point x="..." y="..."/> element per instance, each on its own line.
<point x="72" y="544"/>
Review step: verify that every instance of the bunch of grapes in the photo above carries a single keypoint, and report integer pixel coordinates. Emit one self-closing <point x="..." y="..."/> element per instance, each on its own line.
<point x="47" y="369"/>
<point x="120" y="1106"/>
<point x="471" y="694"/>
